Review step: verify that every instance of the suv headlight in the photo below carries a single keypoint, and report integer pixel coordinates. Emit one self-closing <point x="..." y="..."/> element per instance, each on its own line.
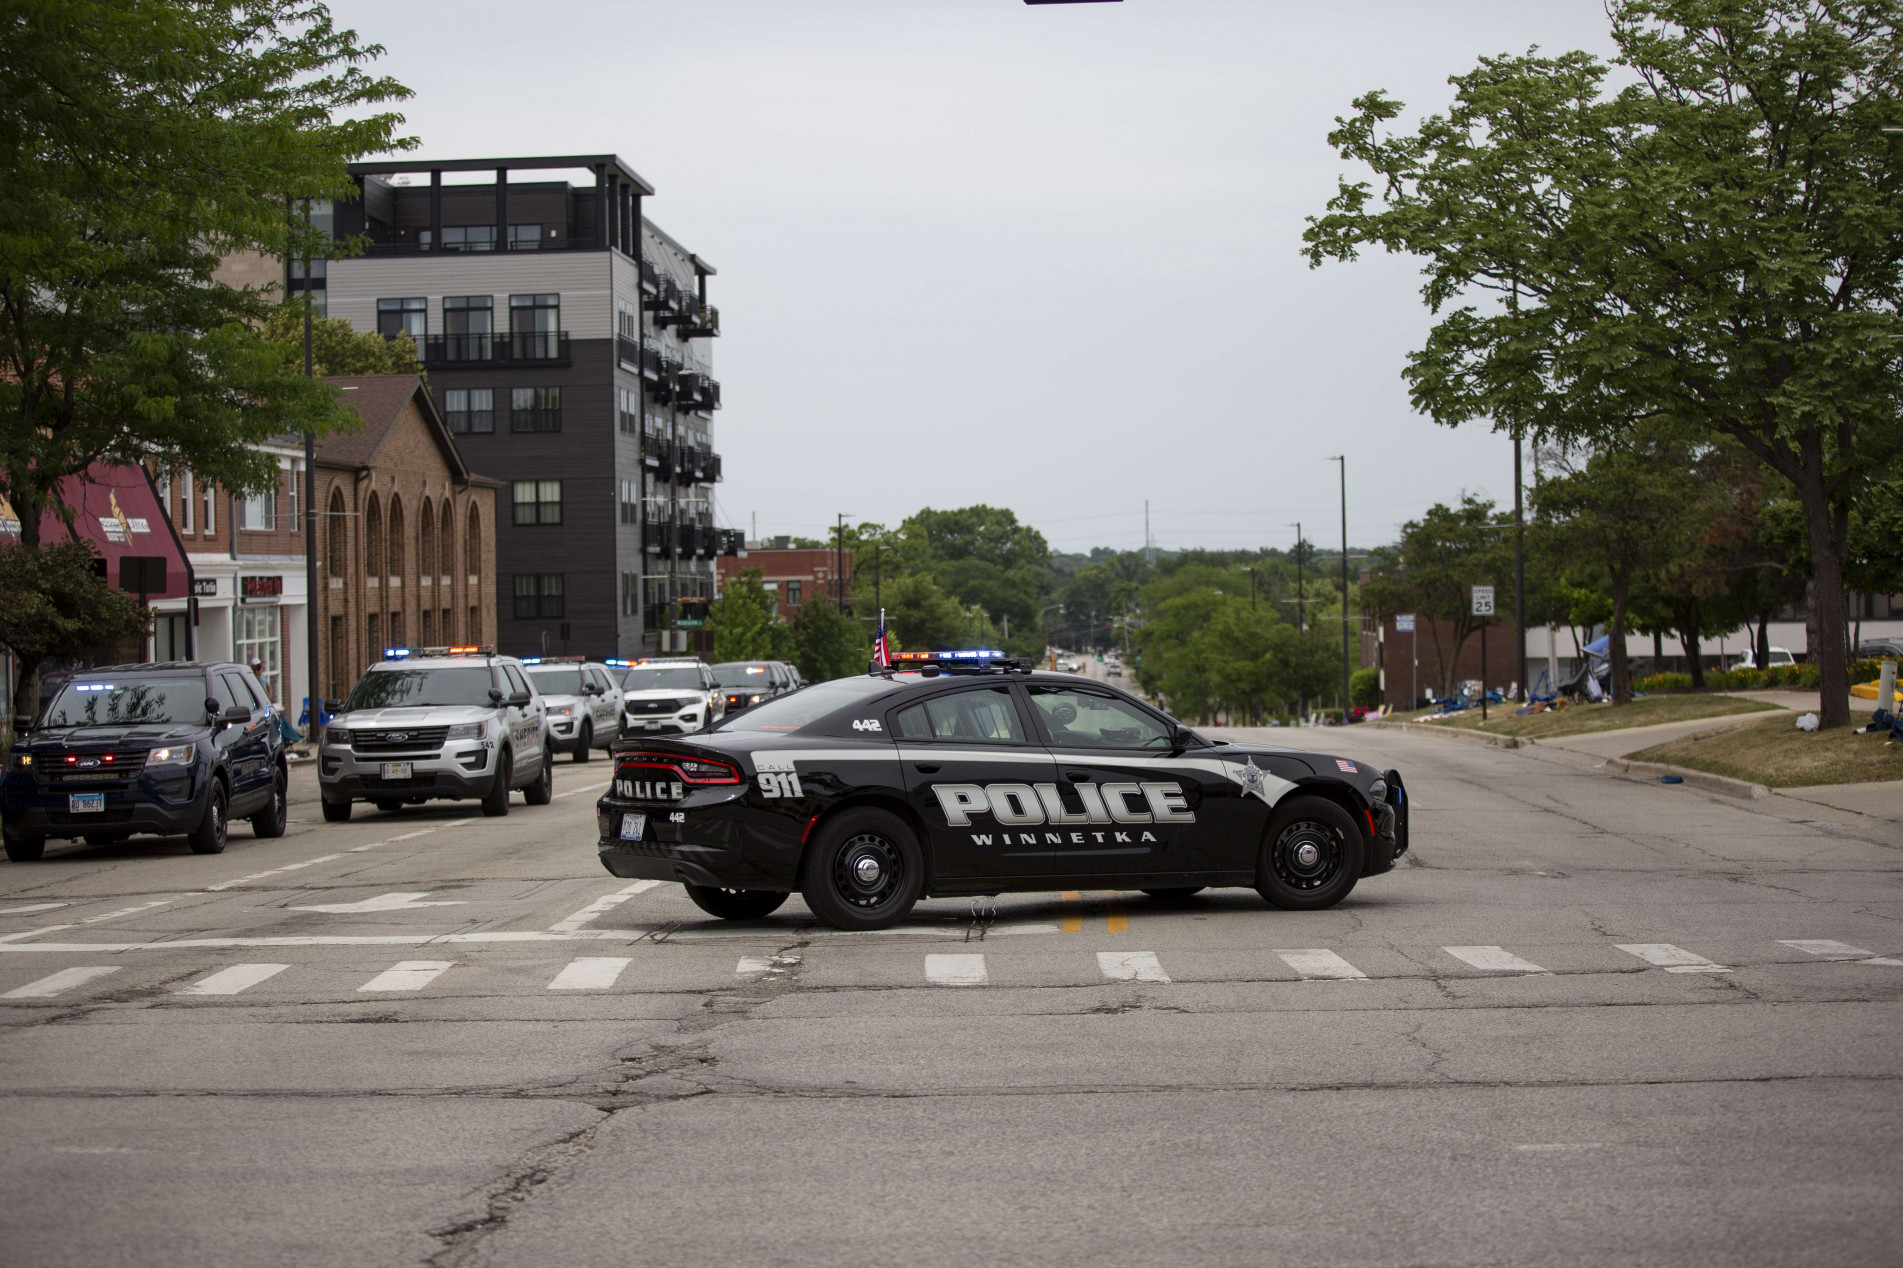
<point x="560" y="710"/>
<point x="174" y="755"/>
<point x="465" y="731"/>
<point x="336" y="735"/>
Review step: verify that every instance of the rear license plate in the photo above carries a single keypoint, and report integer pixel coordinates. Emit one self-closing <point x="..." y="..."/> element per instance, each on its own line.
<point x="651" y="726"/>
<point x="397" y="770"/>
<point x="632" y="826"/>
<point x="86" y="803"/>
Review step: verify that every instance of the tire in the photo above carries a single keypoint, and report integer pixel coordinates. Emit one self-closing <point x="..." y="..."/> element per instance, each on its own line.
<point x="336" y="812"/>
<point x="542" y="791"/>
<point x="736" y="904"/>
<point x="1176" y="893"/>
<point x="23" y="849"/>
<point x="1310" y="856"/>
<point x="209" y="836"/>
<point x="387" y="806"/>
<point x="270" y="821"/>
<point x="585" y="743"/>
<point x="846" y="897"/>
<point x="496" y="802"/>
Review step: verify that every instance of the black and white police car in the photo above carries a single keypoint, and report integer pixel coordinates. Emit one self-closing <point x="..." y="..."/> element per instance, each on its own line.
<point x="964" y="773"/>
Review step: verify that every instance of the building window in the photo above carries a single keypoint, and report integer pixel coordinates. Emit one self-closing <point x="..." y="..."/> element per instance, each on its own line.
<point x="258" y="640"/>
<point x="628" y="411"/>
<point x="372" y="538"/>
<point x="403" y="317"/>
<point x="525" y="237"/>
<point x="210" y="494"/>
<point x="470" y="411"/>
<point x="627" y="321"/>
<point x="186" y="499"/>
<point x="295" y="479"/>
<point x="469" y="237"/>
<point x="538" y="594"/>
<point x="792" y="594"/>
<point x="472" y="552"/>
<point x="396" y="548"/>
<point x="426" y="545"/>
<point x="630" y="503"/>
<point x="535" y="323"/>
<point x="469" y="323"/>
<point x="535" y="409"/>
<point x="446" y="561"/>
<point x="339" y="545"/>
<point x="256" y="513"/>
<point x="538" y="502"/>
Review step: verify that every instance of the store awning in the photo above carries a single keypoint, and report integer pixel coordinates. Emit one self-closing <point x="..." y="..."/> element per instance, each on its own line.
<point x="118" y="511"/>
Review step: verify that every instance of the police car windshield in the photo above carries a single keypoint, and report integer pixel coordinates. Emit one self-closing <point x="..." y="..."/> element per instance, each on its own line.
<point x="422" y="688"/>
<point x="808" y="704"/>
<point x="740" y="675"/>
<point x="657" y="679"/>
<point x="557" y="682"/>
<point x="120" y="699"/>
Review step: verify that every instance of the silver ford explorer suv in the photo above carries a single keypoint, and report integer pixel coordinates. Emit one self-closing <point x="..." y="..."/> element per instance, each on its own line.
<point x="437" y="724"/>
<point x="580" y="700"/>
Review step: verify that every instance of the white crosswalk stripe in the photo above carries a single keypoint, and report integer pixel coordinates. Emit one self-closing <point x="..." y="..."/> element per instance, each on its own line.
<point x="1494" y="959"/>
<point x="956" y="970"/>
<point x="1131" y="966"/>
<point x="407" y="975"/>
<point x="237" y="978"/>
<point x="590" y="973"/>
<point x="1670" y="958"/>
<point x="1319" y="963"/>
<point x="64" y="980"/>
<point x="1830" y="950"/>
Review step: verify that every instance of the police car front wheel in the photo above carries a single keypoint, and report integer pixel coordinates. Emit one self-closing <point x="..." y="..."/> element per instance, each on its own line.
<point x="736" y="904"/>
<point x="864" y="871"/>
<point x="1311" y="855"/>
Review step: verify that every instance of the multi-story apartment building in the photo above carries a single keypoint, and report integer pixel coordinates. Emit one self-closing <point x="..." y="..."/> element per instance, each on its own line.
<point x="567" y="342"/>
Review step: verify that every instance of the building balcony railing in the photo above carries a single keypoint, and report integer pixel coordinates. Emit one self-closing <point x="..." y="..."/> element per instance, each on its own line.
<point x="522" y="347"/>
<point x="402" y="247"/>
<point x="700" y="320"/>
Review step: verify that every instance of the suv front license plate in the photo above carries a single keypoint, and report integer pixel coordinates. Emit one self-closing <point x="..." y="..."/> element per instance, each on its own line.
<point x="86" y="803"/>
<point x="632" y="826"/>
<point x="397" y="770"/>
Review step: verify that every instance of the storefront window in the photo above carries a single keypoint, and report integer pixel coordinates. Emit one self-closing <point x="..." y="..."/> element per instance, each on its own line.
<point x="258" y="641"/>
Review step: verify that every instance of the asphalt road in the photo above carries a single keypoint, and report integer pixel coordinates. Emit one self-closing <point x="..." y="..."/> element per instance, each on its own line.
<point x="1593" y="1021"/>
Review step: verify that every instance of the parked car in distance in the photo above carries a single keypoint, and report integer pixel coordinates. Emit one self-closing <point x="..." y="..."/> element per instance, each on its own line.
<point x="748" y="682"/>
<point x="1877" y="649"/>
<point x="438" y="723"/>
<point x="1779" y="656"/>
<point x="676" y="695"/>
<point x="580" y="701"/>
<point x="174" y="748"/>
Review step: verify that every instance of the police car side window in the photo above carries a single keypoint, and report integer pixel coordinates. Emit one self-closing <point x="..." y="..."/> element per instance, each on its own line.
<point x="1083" y="719"/>
<point x="516" y="681"/>
<point x="227" y="693"/>
<point x="984" y="716"/>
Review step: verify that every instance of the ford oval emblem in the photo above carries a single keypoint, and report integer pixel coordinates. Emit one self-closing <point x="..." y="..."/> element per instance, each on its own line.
<point x="87" y="763"/>
<point x="397" y="737"/>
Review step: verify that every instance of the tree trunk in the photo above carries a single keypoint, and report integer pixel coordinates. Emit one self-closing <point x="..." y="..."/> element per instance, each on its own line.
<point x="1763" y="657"/>
<point x="1825" y="615"/>
<point x="1615" y="639"/>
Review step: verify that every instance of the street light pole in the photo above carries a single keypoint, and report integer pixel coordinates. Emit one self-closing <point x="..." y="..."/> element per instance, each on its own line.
<point x="1343" y="460"/>
<point x="1519" y="578"/>
<point x="311" y="658"/>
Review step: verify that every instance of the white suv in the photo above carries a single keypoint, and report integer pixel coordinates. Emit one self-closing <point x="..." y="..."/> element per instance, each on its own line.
<point x="580" y="700"/>
<point x="437" y="724"/>
<point x="663" y="696"/>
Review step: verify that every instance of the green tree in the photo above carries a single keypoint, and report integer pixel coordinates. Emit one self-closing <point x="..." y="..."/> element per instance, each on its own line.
<point x="54" y="605"/>
<point x="143" y="141"/>
<point x="1432" y="570"/>
<point x="983" y="557"/>
<point x="337" y="347"/>
<point x="746" y="623"/>
<point x="1718" y="242"/>
<point x="827" y="644"/>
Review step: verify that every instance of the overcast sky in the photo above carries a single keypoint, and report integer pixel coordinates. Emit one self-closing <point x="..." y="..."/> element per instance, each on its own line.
<point x="976" y="251"/>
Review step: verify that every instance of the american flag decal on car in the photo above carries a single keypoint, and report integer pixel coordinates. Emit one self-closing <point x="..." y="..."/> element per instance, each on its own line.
<point x="1346" y="765"/>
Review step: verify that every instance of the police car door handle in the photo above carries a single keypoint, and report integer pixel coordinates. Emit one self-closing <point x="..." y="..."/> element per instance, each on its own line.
<point x="1078" y="776"/>
<point x="926" y="768"/>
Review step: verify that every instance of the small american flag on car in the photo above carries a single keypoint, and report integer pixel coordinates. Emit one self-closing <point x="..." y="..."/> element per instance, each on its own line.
<point x="1346" y="765"/>
<point x="881" y="652"/>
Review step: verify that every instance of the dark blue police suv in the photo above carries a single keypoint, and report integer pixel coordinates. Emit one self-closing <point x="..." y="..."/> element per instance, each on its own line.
<point x="174" y="749"/>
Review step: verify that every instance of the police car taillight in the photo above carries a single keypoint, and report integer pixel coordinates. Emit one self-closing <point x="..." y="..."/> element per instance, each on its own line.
<point x="692" y="770"/>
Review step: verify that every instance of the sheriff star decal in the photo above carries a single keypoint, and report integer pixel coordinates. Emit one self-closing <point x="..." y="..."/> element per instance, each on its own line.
<point x="1253" y="780"/>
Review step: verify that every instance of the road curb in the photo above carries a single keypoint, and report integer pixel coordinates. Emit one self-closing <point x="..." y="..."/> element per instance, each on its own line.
<point x="1724" y="784"/>
<point x="1453" y="733"/>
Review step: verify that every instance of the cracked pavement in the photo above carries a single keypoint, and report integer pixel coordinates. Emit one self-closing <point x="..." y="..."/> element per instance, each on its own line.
<point x="775" y="1092"/>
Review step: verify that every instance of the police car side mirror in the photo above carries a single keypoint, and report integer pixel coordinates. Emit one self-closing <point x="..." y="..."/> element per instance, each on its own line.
<point x="235" y="713"/>
<point x="495" y="696"/>
<point x="212" y="709"/>
<point x="520" y="699"/>
<point x="333" y="706"/>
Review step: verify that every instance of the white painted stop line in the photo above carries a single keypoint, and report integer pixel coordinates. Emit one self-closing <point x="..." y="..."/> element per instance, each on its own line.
<point x="1319" y="963"/>
<point x="64" y="980"/>
<point x="1131" y="966"/>
<point x="1836" y="950"/>
<point x="1670" y="958"/>
<point x="956" y="970"/>
<point x="589" y="973"/>
<point x="407" y="975"/>
<point x="1494" y="959"/>
<point x="234" y="979"/>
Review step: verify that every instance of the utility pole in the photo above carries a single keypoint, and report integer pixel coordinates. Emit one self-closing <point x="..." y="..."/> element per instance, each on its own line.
<point x="1149" y="543"/>
<point x="1343" y="460"/>
<point x="839" y="562"/>
<point x="312" y="658"/>
<point x="1519" y="578"/>
<point x="1298" y="577"/>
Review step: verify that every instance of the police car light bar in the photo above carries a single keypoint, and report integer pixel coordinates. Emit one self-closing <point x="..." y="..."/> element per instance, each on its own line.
<point x="618" y="664"/>
<point x="401" y="653"/>
<point x="395" y="653"/>
<point x="971" y="655"/>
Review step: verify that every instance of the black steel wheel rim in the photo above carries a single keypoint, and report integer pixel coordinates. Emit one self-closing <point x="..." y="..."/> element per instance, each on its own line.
<point x="217" y="818"/>
<point x="868" y="872"/>
<point x="1307" y="855"/>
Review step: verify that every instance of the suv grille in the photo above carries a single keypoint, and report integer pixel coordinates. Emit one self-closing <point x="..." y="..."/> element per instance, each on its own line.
<point x="399" y="739"/>
<point x="638" y="707"/>
<point x="123" y="767"/>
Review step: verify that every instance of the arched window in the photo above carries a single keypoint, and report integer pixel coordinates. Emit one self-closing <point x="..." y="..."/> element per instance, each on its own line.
<point x="372" y="537"/>
<point x="426" y="542"/>
<point x="472" y="554"/>
<point x="339" y="542"/>
<point x="396" y="536"/>
<point x="447" y="563"/>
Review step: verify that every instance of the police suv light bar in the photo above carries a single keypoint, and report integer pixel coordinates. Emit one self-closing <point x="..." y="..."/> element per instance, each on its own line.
<point x="401" y="653"/>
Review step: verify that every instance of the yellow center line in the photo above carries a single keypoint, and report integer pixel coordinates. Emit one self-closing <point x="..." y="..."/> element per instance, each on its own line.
<point x="1073" y="919"/>
<point x="1116" y="921"/>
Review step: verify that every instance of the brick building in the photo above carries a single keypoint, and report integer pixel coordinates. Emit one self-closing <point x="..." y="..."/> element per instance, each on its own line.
<point x="407" y="537"/>
<point x="795" y="574"/>
<point x="1410" y="662"/>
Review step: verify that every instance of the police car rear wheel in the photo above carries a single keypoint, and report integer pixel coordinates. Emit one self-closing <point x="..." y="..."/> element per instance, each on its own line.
<point x="542" y="791"/>
<point x="1311" y="856"/>
<point x="736" y="904"/>
<point x="864" y="871"/>
<point x="584" y="743"/>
